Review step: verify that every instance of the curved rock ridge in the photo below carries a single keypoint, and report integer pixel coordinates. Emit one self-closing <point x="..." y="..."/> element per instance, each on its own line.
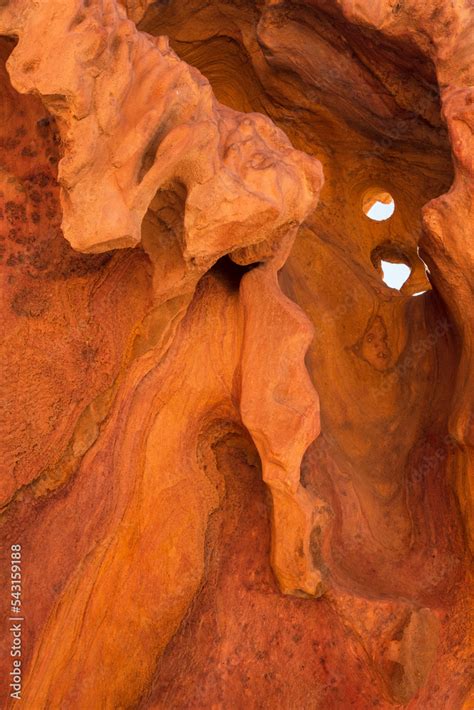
<point x="134" y="118"/>
<point x="280" y="409"/>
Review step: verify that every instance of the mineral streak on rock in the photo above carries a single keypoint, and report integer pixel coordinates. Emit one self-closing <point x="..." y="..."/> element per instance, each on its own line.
<point x="238" y="463"/>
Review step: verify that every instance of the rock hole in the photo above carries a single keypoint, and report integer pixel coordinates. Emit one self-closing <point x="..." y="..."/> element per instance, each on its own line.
<point x="395" y="274"/>
<point x="230" y="272"/>
<point x="378" y="205"/>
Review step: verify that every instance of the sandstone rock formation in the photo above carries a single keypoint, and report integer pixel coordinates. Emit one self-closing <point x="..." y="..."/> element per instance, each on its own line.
<point x="238" y="463"/>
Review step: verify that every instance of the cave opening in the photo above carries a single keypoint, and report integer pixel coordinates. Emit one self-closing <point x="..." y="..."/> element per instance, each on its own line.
<point x="378" y="205"/>
<point x="367" y="107"/>
<point x="395" y="274"/>
<point x="230" y="272"/>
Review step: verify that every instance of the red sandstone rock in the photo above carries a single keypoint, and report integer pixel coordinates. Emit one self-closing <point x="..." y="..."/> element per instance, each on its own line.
<point x="150" y="392"/>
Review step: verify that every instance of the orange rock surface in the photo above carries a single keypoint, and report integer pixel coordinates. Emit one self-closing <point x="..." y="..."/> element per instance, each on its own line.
<point x="238" y="463"/>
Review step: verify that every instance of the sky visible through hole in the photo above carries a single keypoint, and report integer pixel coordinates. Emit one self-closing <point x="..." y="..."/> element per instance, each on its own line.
<point x="381" y="211"/>
<point x="395" y="275"/>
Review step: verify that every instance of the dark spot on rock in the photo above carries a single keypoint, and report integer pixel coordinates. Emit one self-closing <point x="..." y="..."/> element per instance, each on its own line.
<point x="39" y="259"/>
<point x="9" y="143"/>
<point x="15" y="259"/>
<point x="77" y="20"/>
<point x="30" y="66"/>
<point x="15" y="212"/>
<point x="41" y="179"/>
<point x="315" y="546"/>
<point x="29" y="303"/>
<point x="44" y="122"/>
<point x="16" y="235"/>
<point x="77" y="265"/>
<point x="28" y="152"/>
<point x="35" y="196"/>
<point x="89" y="353"/>
<point x="115" y="45"/>
<point x="149" y="155"/>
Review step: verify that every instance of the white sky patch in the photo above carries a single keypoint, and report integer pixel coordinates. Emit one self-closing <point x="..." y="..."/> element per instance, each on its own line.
<point x="381" y="211"/>
<point x="395" y="275"/>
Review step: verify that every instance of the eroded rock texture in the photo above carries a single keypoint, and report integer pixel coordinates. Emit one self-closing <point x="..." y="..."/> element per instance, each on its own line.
<point x="238" y="463"/>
